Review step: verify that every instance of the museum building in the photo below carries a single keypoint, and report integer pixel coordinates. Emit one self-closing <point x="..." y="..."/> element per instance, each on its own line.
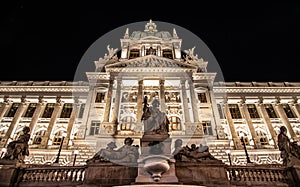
<point x="150" y="64"/>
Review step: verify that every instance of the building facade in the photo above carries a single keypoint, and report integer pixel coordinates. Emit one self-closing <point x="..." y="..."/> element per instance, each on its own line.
<point x="86" y="116"/>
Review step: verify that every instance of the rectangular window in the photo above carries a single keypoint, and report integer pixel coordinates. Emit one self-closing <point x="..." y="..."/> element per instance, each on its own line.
<point x="13" y="109"/>
<point x="81" y="110"/>
<point x="175" y="123"/>
<point x="288" y="111"/>
<point x="129" y="97"/>
<point x="252" y="111"/>
<point x="67" y="110"/>
<point x="48" y="110"/>
<point x="100" y="97"/>
<point x="167" y="53"/>
<point x="95" y="127"/>
<point x="202" y="97"/>
<point x="234" y="111"/>
<point x="270" y="110"/>
<point x="134" y="53"/>
<point x="207" y="129"/>
<point x="30" y="110"/>
<point x="220" y="111"/>
<point x="172" y="97"/>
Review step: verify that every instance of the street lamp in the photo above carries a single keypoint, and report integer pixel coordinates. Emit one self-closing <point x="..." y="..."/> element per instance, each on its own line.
<point x="228" y="153"/>
<point x="244" y="145"/>
<point x="61" y="143"/>
<point x="3" y="151"/>
<point x="75" y="155"/>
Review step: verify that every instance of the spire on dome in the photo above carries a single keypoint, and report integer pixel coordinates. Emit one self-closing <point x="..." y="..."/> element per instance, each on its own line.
<point x="126" y="35"/>
<point x="150" y="27"/>
<point x="175" y="33"/>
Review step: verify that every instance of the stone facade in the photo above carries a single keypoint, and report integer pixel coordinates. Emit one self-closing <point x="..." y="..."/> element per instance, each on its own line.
<point x="109" y="106"/>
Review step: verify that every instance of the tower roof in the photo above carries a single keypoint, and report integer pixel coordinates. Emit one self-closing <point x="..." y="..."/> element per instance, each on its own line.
<point x="150" y="30"/>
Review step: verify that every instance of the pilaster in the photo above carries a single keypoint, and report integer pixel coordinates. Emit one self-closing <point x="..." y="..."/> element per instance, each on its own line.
<point x="37" y="113"/>
<point x="262" y="110"/>
<point x="246" y="115"/>
<point x="53" y="119"/>
<point x="284" y="118"/>
<point x="23" y="105"/>
<point x="235" y="139"/>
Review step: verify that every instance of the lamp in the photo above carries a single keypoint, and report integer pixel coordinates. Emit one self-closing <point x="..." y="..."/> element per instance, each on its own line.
<point x="61" y="143"/>
<point x="75" y="155"/>
<point x="245" y="148"/>
<point x="3" y="151"/>
<point x="228" y="153"/>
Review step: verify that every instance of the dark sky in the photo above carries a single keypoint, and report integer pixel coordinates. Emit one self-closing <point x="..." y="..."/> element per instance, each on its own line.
<point x="45" y="40"/>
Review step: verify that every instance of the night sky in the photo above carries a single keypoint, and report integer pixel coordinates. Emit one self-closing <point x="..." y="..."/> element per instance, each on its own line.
<point x="45" y="40"/>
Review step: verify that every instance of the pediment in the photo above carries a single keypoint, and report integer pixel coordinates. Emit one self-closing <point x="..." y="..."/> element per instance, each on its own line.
<point x="151" y="61"/>
<point x="151" y="38"/>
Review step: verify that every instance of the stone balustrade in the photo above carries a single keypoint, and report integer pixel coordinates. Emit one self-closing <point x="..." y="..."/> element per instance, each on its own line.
<point x="259" y="175"/>
<point x="52" y="175"/>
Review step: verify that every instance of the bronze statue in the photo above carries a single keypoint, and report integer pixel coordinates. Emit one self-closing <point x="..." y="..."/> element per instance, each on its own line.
<point x="192" y="153"/>
<point x="290" y="152"/>
<point x="18" y="149"/>
<point x="128" y="153"/>
<point x="155" y="121"/>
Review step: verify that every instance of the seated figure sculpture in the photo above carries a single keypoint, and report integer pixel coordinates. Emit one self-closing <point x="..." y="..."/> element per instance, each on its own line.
<point x="18" y="149"/>
<point x="192" y="153"/>
<point x="128" y="153"/>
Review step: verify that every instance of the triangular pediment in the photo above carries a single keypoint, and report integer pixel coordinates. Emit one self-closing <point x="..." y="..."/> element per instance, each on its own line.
<point x="151" y="61"/>
<point x="150" y="38"/>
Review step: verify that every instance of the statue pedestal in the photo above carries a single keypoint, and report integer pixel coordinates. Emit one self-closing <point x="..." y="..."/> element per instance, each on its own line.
<point x="156" y="164"/>
<point x="206" y="173"/>
<point x="8" y="172"/>
<point x="109" y="174"/>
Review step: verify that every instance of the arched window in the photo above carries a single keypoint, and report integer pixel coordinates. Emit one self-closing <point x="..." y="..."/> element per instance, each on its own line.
<point x="127" y="123"/>
<point x="38" y="137"/>
<point x="57" y="138"/>
<point x="2" y="133"/>
<point x="245" y="137"/>
<point x="175" y="123"/>
<point x="262" y="136"/>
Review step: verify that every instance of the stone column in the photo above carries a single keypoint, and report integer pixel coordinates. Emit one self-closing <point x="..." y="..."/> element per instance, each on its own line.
<point x="37" y="113"/>
<point x="117" y="102"/>
<point x="185" y="102"/>
<point x="139" y="102"/>
<point x="83" y="128"/>
<point x="5" y="107"/>
<point x="162" y="95"/>
<point x="262" y="110"/>
<point x="296" y="108"/>
<point x="53" y="119"/>
<point x="108" y="101"/>
<point x="194" y="101"/>
<point x="216" y="124"/>
<point x="246" y="115"/>
<point x="11" y="130"/>
<point x="236" y="140"/>
<point x="71" y="123"/>
<point x="284" y="118"/>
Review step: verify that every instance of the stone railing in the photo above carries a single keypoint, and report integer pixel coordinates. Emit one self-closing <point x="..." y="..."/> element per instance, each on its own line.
<point x="52" y="176"/>
<point x="259" y="175"/>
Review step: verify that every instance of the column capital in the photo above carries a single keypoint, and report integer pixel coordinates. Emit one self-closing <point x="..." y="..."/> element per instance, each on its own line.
<point x="5" y="99"/>
<point x="140" y="81"/>
<point x="260" y="100"/>
<point x="23" y="98"/>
